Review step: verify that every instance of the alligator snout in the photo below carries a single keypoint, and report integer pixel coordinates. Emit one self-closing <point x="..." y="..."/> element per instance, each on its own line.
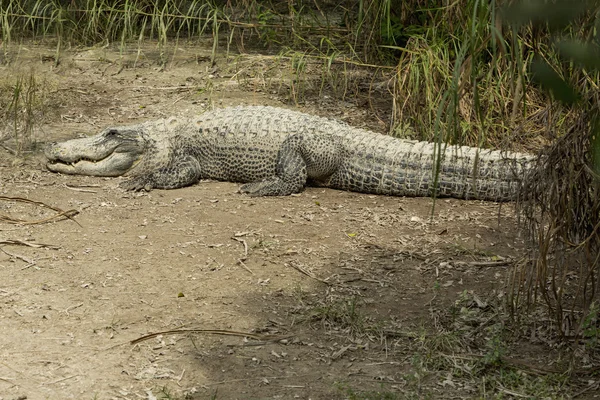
<point x="96" y="156"/>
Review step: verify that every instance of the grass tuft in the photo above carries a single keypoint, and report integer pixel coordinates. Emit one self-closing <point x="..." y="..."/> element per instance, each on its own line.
<point x="22" y="100"/>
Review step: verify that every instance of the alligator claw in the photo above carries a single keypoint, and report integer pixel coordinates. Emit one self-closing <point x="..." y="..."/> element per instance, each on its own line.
<point x="251" y="189"/>
<point x="272" y="186"/>
<point x="136" y="185"/>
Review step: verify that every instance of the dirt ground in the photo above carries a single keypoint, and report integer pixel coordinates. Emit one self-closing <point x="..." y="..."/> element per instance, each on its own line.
<point x="337" y="287"/>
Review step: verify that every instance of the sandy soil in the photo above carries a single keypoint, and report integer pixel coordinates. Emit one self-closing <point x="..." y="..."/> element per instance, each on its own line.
<point x="337" y="285"/>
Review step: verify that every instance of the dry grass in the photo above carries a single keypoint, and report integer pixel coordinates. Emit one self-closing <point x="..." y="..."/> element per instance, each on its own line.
<point x="23" y="102"/>
<point x="560" y="203"/>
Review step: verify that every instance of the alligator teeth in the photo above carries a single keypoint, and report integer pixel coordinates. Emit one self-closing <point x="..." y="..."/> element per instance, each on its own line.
<point x="73" y="163"/>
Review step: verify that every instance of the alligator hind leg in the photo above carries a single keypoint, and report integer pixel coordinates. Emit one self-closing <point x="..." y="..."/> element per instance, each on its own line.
<point x="301" y="156"/>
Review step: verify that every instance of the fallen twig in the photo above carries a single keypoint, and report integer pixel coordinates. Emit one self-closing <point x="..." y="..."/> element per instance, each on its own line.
<point x="27" y="266"/>
<point x="245" y="266"/>
<point x="28" y="244"/>
<point x="244" y="243"/>
<point x="69" y="214"/>
<point x="495" y="263"/>
<point x="211" y="332"/>
<point x="61" y="380"/>
<point x="165" y="87"/>
<point x="76" y="189"/>
<point x="11" y="151"/>
<point x="307" y="273"/>
<point x="20" y="257"/>
<point x="587" y="389"/>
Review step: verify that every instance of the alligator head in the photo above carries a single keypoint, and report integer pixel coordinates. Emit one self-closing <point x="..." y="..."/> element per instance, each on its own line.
<point x="113" y="152"/>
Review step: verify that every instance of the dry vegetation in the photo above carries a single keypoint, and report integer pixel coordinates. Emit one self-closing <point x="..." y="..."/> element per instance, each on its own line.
<point x="460" y="72"/>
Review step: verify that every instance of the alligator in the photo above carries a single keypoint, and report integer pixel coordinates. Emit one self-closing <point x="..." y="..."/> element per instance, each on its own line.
<point x="277" y="152"/>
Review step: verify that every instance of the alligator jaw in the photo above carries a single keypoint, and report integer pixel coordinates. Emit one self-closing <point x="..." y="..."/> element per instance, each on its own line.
<point x="113" y="152"/>
<point x="115" y="164"/>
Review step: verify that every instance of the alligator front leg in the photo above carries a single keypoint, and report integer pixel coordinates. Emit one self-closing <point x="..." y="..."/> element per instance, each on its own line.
<point x="177" y="174"/>
<point x="301" y="156"/>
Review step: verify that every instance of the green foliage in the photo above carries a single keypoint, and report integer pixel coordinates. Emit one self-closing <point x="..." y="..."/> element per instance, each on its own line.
<point x="266" y="20"/>
<point x="493" y="357"/>
<point x="591" y="327"/>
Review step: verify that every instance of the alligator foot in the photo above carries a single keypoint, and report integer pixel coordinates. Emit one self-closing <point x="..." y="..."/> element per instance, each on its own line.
<point x="273" y="186"/>
<point x="136" y="184"/>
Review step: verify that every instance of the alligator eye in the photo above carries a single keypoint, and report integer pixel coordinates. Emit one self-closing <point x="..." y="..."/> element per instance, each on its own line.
<point x="111" y="133"/>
